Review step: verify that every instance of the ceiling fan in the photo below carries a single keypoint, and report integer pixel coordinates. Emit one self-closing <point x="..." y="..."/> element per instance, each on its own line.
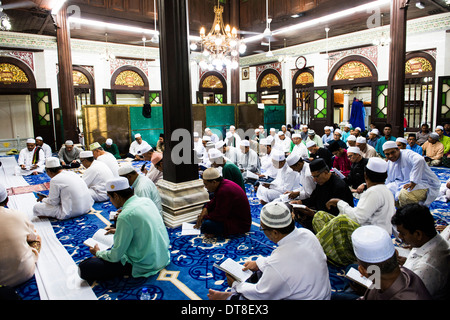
<point x="17" y="5"/>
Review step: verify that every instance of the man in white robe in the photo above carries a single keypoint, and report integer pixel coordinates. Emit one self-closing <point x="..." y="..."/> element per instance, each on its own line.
<point x="31" y="160"/>
<point x="232" y="138"/>
<point x="214" y="137"/>
<point x="106" y="157"/>
<point x="299" y="146"/>
<point x="68" y="196"/>
<point x="231" y="153"/>
<point x="410" y="179"/>
<point x="95" y="176"/>
<point x="267" y="168"/>
<point x="47" y="149"/>
<point x="286" y="180"/>
<point x="135" y="145"/>
<point x="283" y="143"/>
<point x="248" y="160"/>
<point x="306" y="181"/>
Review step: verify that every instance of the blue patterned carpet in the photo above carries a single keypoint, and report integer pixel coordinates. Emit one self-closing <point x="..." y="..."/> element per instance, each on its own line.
<point x="190" y="273"/>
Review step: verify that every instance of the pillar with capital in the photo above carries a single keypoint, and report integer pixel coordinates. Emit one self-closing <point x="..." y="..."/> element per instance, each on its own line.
<point x="346" y="115"/>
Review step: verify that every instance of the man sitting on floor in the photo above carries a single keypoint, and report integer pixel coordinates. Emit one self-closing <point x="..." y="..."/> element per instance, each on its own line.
<point x="105" y="157"/>
<point x="135" y="145"/>
<point x="141" y="241"/>
<point x="228" y="211"/>
<point x="355" y="179"/>
<point x="95" y="176"/>
<point x="367" y="151"/>
<point x="47" y="149"/>
<point x="31" y="160"/>
<point x="230" y="171"/>
<point x="19" y="245"/>
<point x="111" y="147"/>
<point x="68" y="195"/>
<point x="69" y="155"/>
<point x="340" y="161"/>
<point x="433" y="150"/>
<point x="248" y="160"/>
<point x="316" y="152"/>
<point x="307" y="184"/>
<point x="430" y="254"/>
<point x="375" y="207"/>
<point x="295" y="270"/>
<point x="299" y="146"/>
<point x="375" y="252"/>
<point x="409" y="177"/>
<point x="412" y="144"/>
<point x="143" y="187"/>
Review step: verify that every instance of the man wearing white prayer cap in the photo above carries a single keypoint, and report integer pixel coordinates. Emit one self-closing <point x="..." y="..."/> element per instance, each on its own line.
<point x="299" y="146"/>
<point x="69" y="155"/>
<point x="286" y="180"/>
<point x="410" y="179"/>
<point x="47" y="149"/>
<point x="19" y="245"/>
<point x="306" y="182"/>
<point x="280" y="276"/>
<point x="107" y="158"/>
<point x="355" y="179"/>
<point x="312" y="136"/>
<point x="111" y="147"/>
<point x="95" y="176"/>
<point x="316" y="152"/>
<point x="374" y="250"/>
<point x="68" y="195"/>
<point x="230" y="171"/>
<point x="433" y="150"/>
<point x="135" y="145"/>
<point x="248" y="160"/>
<point x="141" y="242"/>
<point x="283" y="143"/>
<point x="328" y="135"/>
<point x="351" y="141"/>
<point x="373" y="138"/>
<point x="31" y="160"/>
<point x="445" y="140"/>
<point x="367" y="151"/>
<point x="401" y="143"/>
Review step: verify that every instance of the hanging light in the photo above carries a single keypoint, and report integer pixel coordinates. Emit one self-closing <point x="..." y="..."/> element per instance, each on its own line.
<point x="155" y="38"/>
<point x="221" y="46"/>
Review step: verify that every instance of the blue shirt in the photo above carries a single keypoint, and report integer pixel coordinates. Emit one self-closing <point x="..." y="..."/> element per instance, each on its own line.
<point x="416" y="148"/>
<point x="380" y="143"/>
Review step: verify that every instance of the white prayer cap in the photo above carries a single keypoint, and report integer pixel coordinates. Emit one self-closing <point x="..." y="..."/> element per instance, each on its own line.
<point x="195" y="134"/>
<point x="144" y="149"/>
<point x="265" y="142"/>
<point x="401" y="140"/>
<point x="69" y="143"/>
<point x="209" y="145"/>
<point x="326" y="128"/>
<point x="358" y="128"/>
<point x="117" y="184"/>
<point x="245" y="143"/>
<point x="296" y="135"/>
<point x="219" y="144"/>
<point x="39" y="138"/>
<point x="94" y="146"/>
<point x="276" y="215"/>
<point x="214" y="154"/>
<point x="351" y="138"/>
<point x="232" y="127"/>
<point x="206" y="138"/>
<point x="207" y="129"/>
<point x="440" y="128"/>
<point x="272" y="129"/>
<point x="310" y="144"/>
<point x="269" y="139"/>
<point x="3" y="193"/>
<point x="372" y="244"/>
<point x="229" y="135"/>
<point x="361" y="140"/>
<point x="434" y="136"/>
<point x="86" y="154"/>
<point x="211" y="174"/>
<point x="338" y="131"/>
<point x="126" y="169"/>
<point x="257" y="130"/>
<point x="109" y="141"/>
<point x="311" y="132"/>
<point x="52" y="162"/>
<point x="375" y="131"/>
<point x="353" y="150"/>
<point x="389" y="145"/>
<point x="278" y="155"/>
<point x="31" y="140"/>
<point x="280" y="133"/>
<point x="376" y="164"/>
<point x="348" y="125"/>
<point x="137" y="135"/>
<point x="293" y="158"/>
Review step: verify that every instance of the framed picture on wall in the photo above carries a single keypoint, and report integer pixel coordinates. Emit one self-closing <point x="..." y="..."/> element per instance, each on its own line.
<point x="246" y="73"/>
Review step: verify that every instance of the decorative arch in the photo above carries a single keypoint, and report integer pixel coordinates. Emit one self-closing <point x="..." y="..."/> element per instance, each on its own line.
<point x="16" y="75"/>
<point x="353" y="69"/>
<point x="419" y="64"/>
<point x="214" y="82"/>
<point x="129" y="78"/>
<point x="269" y="80"/>
<point x="303" y="78"/>
<point x="83" y="81"/>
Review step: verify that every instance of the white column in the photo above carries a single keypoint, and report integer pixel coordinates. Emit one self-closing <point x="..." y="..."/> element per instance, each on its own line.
<point x="346" y="115"/>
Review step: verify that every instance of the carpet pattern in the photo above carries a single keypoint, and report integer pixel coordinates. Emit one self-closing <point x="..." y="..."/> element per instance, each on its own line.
<point x="190" y="273"/>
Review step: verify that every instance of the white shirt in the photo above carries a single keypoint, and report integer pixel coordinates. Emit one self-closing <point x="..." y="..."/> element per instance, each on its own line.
<point x="232" y="154"/>
<point x="26" y="158"/>
<point x="134" y="146"/>
<point x="308" y="185"/>
<point x="431" y="262"/>
<point x="111" y="162"/>
<point x="296" y="270"/>
<point x="283" y="145"/>
<point x="286" y="180"/>
<point x="376" y="206"/>
<point x="411" y="167"/>
<point x="95" y="178"/>
<point x="267" y="167"/>
<point x="301" y="149"/>
<point x="249" y="161"/>
<point x="71" y="193"/>
<point x="47" y="150"/>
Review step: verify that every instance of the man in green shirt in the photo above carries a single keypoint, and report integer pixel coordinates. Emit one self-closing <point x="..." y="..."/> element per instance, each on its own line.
<point x="443" y="138"/>
<point x="141" y="241"/>
<point x="230" y="171"/>
<point x="111" y="148"/>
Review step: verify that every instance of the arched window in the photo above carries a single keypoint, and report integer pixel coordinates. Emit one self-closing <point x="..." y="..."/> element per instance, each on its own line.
<point x="212" y="89"/>
<point x="270" y="87"/>
<point x="303" y="83"/>
<point x="129" y="85"/>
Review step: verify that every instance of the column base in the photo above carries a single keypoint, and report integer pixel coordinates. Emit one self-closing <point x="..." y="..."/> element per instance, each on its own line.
<point x="182" y="202"/>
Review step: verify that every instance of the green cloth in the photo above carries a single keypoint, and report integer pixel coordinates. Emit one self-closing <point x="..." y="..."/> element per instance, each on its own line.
<point x="334" y="234"/>
<point x="144" y="187"/>
<point x="113" y="149"/>
<point x="141" y="238"/>
<point x="446" y="142"/>
<point x="380" y="142"/>
<point x="231" y="172"/>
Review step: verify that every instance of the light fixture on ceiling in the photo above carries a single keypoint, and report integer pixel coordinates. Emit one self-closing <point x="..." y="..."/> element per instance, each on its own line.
<point x="108" y="55"/>
<point x="221" y="46"/>
<point x="267" y="31"/>
<point x="384" y="40"/>
<point x="420" y="5"/>
<point x="5" y="24"/>
<point x="155" y="38"/>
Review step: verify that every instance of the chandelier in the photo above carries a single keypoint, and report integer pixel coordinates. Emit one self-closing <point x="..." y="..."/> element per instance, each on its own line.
<point x="221" y="46"/>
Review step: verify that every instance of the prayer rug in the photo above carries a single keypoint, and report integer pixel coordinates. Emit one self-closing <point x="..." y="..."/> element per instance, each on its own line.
<point x="191" y="272"/>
